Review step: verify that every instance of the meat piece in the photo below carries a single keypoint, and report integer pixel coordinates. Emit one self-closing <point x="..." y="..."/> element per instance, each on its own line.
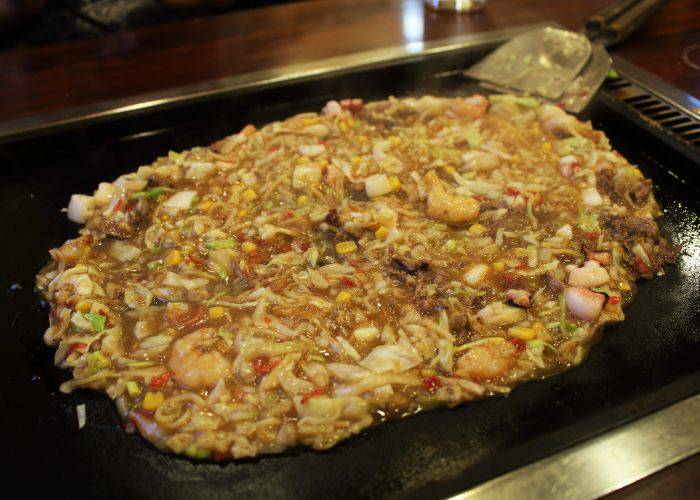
<point x="601" y="256"/>
<point x="605" y="184"/>
<point x="458" y="321"/>
<point x="640" y="191"/>
<point x="124" y="223"/>
<point x="628" y="227"/>
<point x="519" y="298"/>
<point x="409" y="265"/>
<point x="552" y="286"/>
<point x="332" y="218"/>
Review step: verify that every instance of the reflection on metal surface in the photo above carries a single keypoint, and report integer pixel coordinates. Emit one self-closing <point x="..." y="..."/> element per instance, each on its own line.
<point x="337" y="65"/>
<point x="605" y="463"/>
<point x="456" y="5"/>
<point x="413" y="25"/>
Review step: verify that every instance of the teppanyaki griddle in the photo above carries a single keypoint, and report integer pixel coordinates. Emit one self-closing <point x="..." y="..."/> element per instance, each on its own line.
<point x="639" y="366"/>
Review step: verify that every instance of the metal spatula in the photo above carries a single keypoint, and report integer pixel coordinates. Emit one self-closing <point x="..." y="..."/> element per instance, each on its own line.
<point x="562" y="66"/>
<point x="558" y="65"/>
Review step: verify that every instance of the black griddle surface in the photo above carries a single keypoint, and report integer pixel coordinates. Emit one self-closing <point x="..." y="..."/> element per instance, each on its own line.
<point x="645" y="363"/>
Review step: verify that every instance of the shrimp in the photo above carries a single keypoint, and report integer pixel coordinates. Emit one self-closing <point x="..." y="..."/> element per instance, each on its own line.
<point x="195" y="364"/>
<point x="480" y="160"/>
<point x="449" y="208"/>
<point x="473" y="107"/>
<point x="487" y="361"/>
<point x="555" y="120"/>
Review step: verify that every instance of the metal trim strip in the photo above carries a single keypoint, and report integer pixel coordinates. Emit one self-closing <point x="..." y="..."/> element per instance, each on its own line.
<point x="605" y="463"/>
<point x="47" y="122"/>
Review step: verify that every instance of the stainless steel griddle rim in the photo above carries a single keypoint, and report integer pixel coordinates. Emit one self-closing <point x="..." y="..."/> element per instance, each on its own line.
<point x="605" y="463"/>
<point x="657" y="87"/>
<point x="50" y="122"/>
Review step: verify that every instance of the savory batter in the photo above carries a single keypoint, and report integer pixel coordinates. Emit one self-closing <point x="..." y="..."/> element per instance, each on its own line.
<point x="298" y="283"/>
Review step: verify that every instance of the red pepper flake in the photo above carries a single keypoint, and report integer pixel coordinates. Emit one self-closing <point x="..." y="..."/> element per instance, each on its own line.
<point x="613" y="299"/>
<point x="540" y="200"/>
<point x="348" y="282"/>
<point x="220" y="456"/>
<point x="195" y="260"/>
<point x="431" y="384"/>
<point x="522" y="265"/>
<point x="561" y="104"/>
<point x="129" y="427"/>
<point x="262" y="365"/>
<point x="641" y="265"/>
<point x="479" y="197"/>
<point x="512" y="192"/>
<point x="118" y="206"/>
<point x="162" y="380"/>
<point x="76" y="346"/>
<point x="288" y="214"/>
<point x="188" y="319"/>
<point x="356" y="264"/>
<point x="520" y="345"/>
<point x="591" y="235"/>
<point x="274" y="148"/>
<point x="267" y="319"/>
<point x="316" y="392"/>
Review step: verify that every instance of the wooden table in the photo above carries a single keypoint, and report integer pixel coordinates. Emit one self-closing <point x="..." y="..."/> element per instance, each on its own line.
<point x="125" y="65"/>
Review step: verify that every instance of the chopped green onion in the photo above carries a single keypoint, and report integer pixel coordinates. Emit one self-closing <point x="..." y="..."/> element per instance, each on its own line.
<point x="570" y="327"/>
<point x="612" y="73"/>
<point x="97" y="361"/>
<point x="220" y="244"/>
<point x="153" y="265"/>
<point x="155" y="192"/>
<point x="451" y="245"/>
<point x="156" y="250"/>
<point x="541" y="343"/>
<point x="97" y="320"/>
<point x="268" y="205"/>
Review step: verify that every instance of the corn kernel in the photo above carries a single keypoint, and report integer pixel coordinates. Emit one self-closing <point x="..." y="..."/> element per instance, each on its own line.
<point x="249" y="194"/>
<point x="343" y="126"/>
<point x="395" y="183"/>
<point x="624" y="286"/>
<point x="522" y="332"/>
<point x="345" y="247"/>
<point x="205" y="205"/>
<point x="499" y="266"/>
<point x="309" y="121"/>
<point x="357" y="160"/>
<point x="541" y="331"/>
<point x="83" y="306"/>
<point x="477" y="229"/>
<point x="303" y="200"/>
<point x="242" y="212"/>
<point x="351" y="123"/>
<point x="173" y="258"/>
<point x="216" y="312"/>
<point x="381" y="233"/>
<point x="362" y="139"/>
<point x="343" y="297"/>
<point x="249" y="246"/>
<point x="303" y="159"/>
<point x="152" y="400"/>
<point x="450" y="170"/>
<point x="546" y="146"/>
<point x="516" y="158"/>
<point x="133" y="388"/>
